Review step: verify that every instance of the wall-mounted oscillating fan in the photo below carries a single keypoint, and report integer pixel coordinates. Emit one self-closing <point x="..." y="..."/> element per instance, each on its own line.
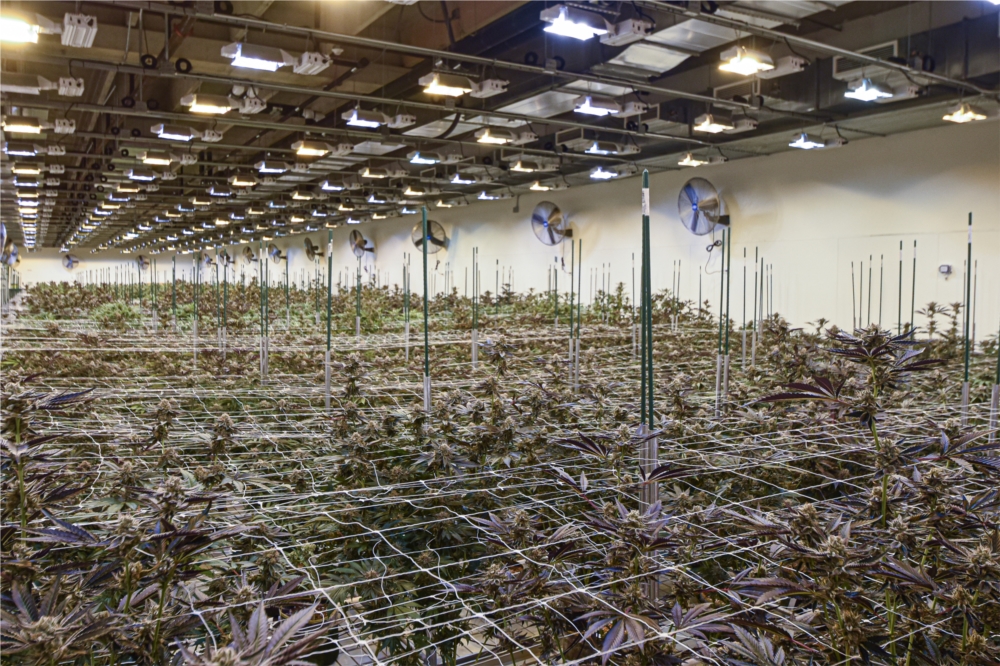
<point x="313" y="251"/>
<point x="359" y="244"/>
<point x="225" y="259"/>
<point x="549" y="224"/>
<point x="70" y="262"/>
<point x="436" y="237"/>
<point x="142" y="262"/>
<point x="207" y="260"/>
<point x="248" y="254"/>
<point x="700" y="207"/>
<point x="9" y="255"/>
<point x="275" y="253"/>
<point x="3" y="235"/>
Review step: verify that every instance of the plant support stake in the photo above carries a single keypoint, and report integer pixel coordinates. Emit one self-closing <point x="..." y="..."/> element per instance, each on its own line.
<point x="968" y="322"/>
<point x="427" y="357"/>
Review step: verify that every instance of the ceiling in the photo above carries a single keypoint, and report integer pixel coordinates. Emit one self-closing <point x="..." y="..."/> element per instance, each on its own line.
<point x="107" y="179"/>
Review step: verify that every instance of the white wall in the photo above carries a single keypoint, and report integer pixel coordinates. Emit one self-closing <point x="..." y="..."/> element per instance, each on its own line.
<point x="808" y="213"/>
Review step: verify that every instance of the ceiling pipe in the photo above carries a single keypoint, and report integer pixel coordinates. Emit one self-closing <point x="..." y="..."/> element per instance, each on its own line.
<point x="380" y="45"/>
<point x="777" y="35"/>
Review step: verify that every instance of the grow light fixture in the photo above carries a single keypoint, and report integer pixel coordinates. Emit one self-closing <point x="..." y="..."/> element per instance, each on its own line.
<point x="198" y="201"/>
<point x="690" y="160"/>
<point x="155" y="157"/>
<point x="26" y="169"/>
<point x="449" y="85"/>
<point x="345" y="207"/>
<point x="19" y="30"/>
<point x="317" y="212"/>
<point x="463" y="179"/>
<point x="242" y="180"/>
<point x="142" y="175"/>
<point x="171" y="216"/>
<point x="539" y="186"/>
<point x="375" y="199"/>
<point x="611" y="148"/>
<point x="20" y="149"/>
<point x="357" y="117"/>
<point x="254" y="212"/>
<point x="330" y="186"/>
<point x="208" y="104"/>
<point x="496" y="137"/>
<point x="220" y="191"/>
<point x="525" y="166"/>
<point x="301" y="195"/>
<point x="271" y="166"/>
<point x="22" y="125"/>
<point x="493" y="196"/>
<point x="173" y="132"/>
<point x="866" y="91"/>
<point x="127" y="188"/>
<point x="311" y="148"/>
<point x="713" y="123"/>
<point x="256" y="56"/>
<point x="417" y="157"/>
<point x="374" y="172"/>
<point x="595" y="105"/>
<point x="743" y="61"/>
<point x="572" y="22"/>
<point x="407" y="211"/>
<point x="964" y="113"/>
<point x="418" y="191"/>
<point x="221" y="222"/>
<point x="277" y="204"/>
<point x="600" y="173"/>
<point x="806" y="142"/>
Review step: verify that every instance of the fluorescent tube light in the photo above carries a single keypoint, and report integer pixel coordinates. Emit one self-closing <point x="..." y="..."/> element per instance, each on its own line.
<point x="208" y="104"/>
<point x="449" y="85"/>
<point x="806" y="142"/>
<point x="866" y="91"/>
<point x="572" y="22"/>
<point x="256" y="56"/>
<point x="596" y="106"/>
<point x="743" y="61"/>
<point x="964" y="113"/>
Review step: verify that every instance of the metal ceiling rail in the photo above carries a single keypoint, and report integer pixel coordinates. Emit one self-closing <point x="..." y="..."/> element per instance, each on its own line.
<point x="380" y="45"/>
<point x="777" y="35"/>
<point x="195" y="146"/>
<point x="350" y="97"/>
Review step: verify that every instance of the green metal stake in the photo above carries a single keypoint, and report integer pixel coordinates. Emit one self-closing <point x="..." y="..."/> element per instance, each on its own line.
<point x="650" y="449"/>
<point x="729" y="276"/>
<point x="357" y="314"/>
<point x="329" y="309"/>
<point x="967" y="326"/>
<point x="899" y="313"/>
<point x="173" y="291"/>
<point x="427" y="356"/>
<point x="722" y="315"/>
<point x="288" y="302"/>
